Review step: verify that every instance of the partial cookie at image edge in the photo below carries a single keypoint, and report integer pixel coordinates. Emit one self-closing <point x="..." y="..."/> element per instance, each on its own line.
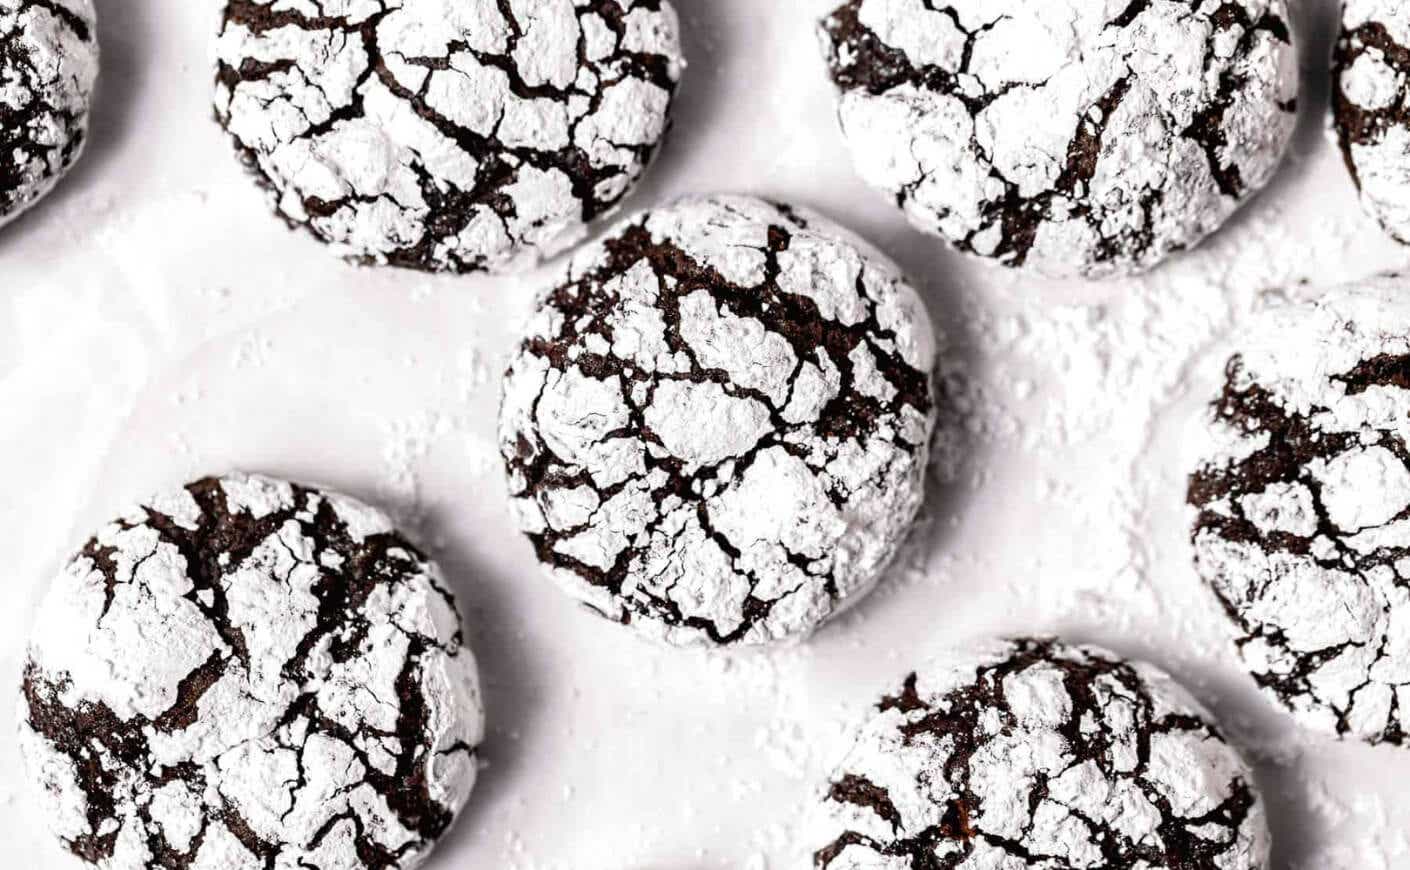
<point x="247" y="670"/>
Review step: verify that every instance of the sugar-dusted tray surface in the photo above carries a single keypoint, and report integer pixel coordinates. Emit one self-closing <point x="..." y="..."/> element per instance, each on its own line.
<point x="157" y="323"/>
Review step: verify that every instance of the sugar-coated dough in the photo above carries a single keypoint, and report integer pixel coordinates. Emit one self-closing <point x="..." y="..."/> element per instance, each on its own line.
<point x="447" y="136"/>
<point x="1032" y="754"/>
<point x="1074" y="137"/>
<point x="247" y="674"/>
<point x="1371" y="105"/>
<point x="1302" y="495"/>
<point x="48" y="65"/>
<point x="716" y="429"/>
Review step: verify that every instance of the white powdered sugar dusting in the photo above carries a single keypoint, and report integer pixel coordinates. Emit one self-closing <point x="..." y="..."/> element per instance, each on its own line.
<point x="1056" y="503"/>
<point x="1303" y="499"/>
<point x="716" y="430"/>
<point x="248" y="673"/>
<point x="48" y="66"/>
<point x="479" y="135"/>
<point x="1371" y="110"/>
<point x="1073" y="137"/>
<point x="1035" y="754"/>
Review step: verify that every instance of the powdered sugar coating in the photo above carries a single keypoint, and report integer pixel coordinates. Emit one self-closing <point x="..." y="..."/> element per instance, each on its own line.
<point x="48" y="65"/>
<point x="1032" y="754"/>
<point x="1074" y="137"/>
<point x="1303" y="500"/>
<point x="465" y="136"/>
<point x="248" y="674"/>
<point x="716" y="429"/>
<point x="1371" y="105"/>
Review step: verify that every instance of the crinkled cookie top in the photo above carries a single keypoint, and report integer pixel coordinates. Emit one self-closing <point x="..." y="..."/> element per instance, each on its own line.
<point x="1371" y="105"/>
<point x="447" y="135"/>
<point x="48" y="65"/>
<point x="1032" y="754"/>
<point x="248" y="674"/>
<point x="716" y="429"/>
<point x="1074" y="137"/>
<point x="1303" y="500"/>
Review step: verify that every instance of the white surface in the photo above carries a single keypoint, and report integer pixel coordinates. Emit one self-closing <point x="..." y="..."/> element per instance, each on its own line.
<point x="159" y="323"/>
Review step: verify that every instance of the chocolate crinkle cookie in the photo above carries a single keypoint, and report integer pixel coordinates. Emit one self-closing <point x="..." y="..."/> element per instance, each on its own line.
<point x="1033" y="754"/>
<point x="716" y="429"/>
<point x="1086" y="138"/>
<point x="1371" y="107"/>
<point x="1302" y="494"/>
<point x="246" y="674"/>
<point x="48" y="65"/>
<point x="449" y="137"/>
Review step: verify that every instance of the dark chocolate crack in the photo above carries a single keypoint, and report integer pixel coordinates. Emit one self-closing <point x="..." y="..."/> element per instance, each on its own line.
<point x="113" y="759"/>
<point x="860" y="60"/>
<point x="451" y="207"/>
<point x="584" y="309"/>
<point x="959" y="721"/>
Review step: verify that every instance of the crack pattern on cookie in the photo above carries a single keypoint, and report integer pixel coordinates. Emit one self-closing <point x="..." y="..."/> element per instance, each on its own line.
<point x="717" y="427"/>
<point x="1071" y="137"/>
<point x="1033" y="754"/>
<point x="1303" y="501"/>
<point x="1371" y="108"/>
<point x="247" y="674"/>
<point x="479" y="135"/>
<point x="48" y="64"/>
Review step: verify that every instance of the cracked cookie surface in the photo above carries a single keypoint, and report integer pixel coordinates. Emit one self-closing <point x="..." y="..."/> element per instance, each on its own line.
<point x="1371" y="107"/>
<point x="1302" y="494"/>
<point x="48" y="65"/>
<point x="717" y="427"/>
<point x="1073" y="137"/>
<point x="247" y="674"/>
<point x="479" y="135"/>
<point x="1033" y="754"/>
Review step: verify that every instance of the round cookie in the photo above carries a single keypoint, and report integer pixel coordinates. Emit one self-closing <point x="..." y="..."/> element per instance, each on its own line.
<point x="246" y="673"/>
<point x="1084" y="138"/>
<point x="1302" y="495"/>
<point x="1033" y="754"/>
<point x="717" y="427"/>
<point x="1371" y="110"/>
<point x="448" y="137"/>
<point x="48" y="65"/>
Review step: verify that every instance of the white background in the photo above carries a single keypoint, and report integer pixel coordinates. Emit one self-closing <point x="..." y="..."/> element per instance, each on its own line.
<point x="157" y="324"/>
